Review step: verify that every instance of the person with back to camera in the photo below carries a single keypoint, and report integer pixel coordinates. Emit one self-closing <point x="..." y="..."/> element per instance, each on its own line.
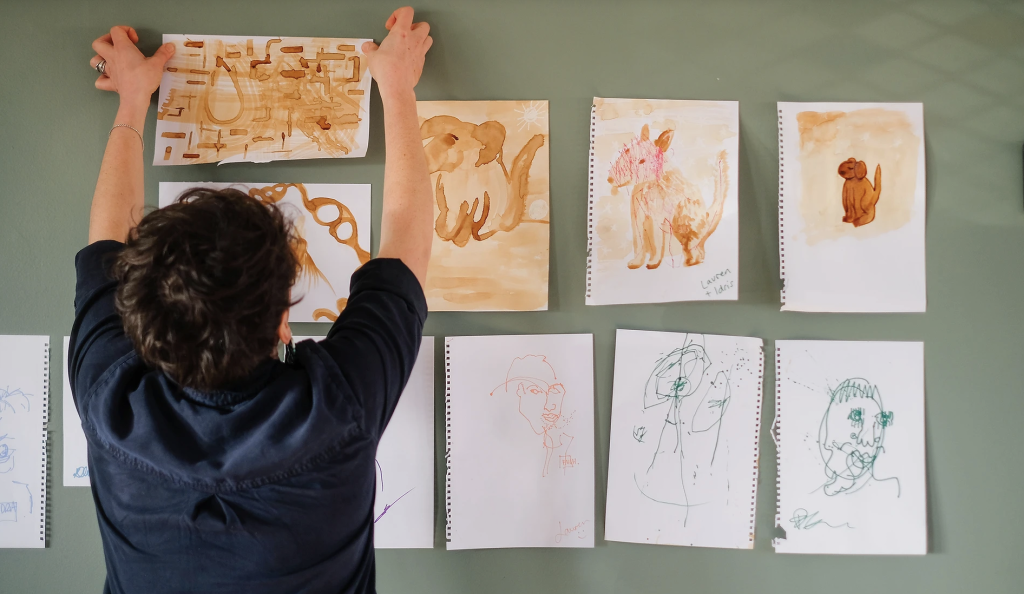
<point x="216" y="467"/>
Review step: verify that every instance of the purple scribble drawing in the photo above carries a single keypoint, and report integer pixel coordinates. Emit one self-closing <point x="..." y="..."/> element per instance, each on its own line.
<point x="380" y="484"/>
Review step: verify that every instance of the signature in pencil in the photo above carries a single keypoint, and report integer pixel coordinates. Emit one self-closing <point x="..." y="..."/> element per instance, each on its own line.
<point x="803" y="520"/>
<point x="577" y="530"/>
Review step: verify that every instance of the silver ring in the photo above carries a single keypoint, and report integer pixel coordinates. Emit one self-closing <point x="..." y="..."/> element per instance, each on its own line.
<point x="101" y="67"/>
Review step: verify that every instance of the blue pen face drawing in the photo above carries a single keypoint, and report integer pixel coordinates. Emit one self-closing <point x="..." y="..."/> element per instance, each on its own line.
<point x="852" y="434"/>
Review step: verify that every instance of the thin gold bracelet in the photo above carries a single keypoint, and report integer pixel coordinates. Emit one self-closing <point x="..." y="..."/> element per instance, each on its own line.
<point x="132" y="128"/>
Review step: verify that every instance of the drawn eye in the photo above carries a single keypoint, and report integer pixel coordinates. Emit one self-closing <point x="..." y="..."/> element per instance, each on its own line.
<point x="555" y="389"/>
<point x="856" y="417"/>
<point x="884" y="418"/>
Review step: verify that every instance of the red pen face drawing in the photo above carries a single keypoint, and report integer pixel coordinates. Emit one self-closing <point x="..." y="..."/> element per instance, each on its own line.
<point x="540" y="403"/>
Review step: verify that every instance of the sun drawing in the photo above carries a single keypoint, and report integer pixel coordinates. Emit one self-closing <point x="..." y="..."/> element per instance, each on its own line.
<point x="531" y="114"/>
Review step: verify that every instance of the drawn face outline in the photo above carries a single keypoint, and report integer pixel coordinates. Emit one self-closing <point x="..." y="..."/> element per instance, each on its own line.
<point x="540" y="403"/>
<point x="853" y="430"/>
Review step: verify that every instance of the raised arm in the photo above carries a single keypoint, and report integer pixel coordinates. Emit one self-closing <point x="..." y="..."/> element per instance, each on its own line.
<point x="396" y="65"/>
<point x="118" y="200"/>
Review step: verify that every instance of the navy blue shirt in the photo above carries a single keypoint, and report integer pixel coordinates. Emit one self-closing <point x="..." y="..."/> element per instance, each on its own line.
<point x="265" y="487"/>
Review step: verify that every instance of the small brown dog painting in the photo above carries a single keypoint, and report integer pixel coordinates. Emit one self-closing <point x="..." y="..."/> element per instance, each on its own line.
<point x="859" y="196"/>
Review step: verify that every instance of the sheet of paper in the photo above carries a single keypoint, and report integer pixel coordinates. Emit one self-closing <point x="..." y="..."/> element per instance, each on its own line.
<point x="76" y="450"/>
<point x="664" y="201"/>
<point x="850" y="433"/>
<point x="520" y="413"/>
<point x="404" y="504"/>
<point x="852" y="207"/>
<point x="333" y="222"/>
<point x="234" y="98"/>
<point x="488" y="165"/>
<point x="682" y="466"/>
<point x="24" y="395"/>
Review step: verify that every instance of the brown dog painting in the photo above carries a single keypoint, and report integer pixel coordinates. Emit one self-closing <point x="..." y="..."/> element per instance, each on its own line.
<point x="859" y="196"/>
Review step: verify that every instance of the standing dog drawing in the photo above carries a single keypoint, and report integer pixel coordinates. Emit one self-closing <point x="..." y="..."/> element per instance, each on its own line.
<point x="664" y="204"/>
<point x="859" y="196"/>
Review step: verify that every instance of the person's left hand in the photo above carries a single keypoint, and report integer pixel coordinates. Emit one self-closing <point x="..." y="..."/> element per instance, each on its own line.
<point x="128" y="73"/>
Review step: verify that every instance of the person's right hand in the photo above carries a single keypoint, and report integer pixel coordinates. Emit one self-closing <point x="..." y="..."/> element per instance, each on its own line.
<point x="396" y="64"/>
<point x="130" y="74"/>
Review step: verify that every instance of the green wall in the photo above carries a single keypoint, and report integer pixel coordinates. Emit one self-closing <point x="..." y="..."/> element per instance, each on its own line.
<point x="963" y="59"/>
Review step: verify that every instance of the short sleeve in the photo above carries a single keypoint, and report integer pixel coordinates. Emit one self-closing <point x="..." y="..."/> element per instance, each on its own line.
<point x="376" y="338"/>
<point x="98" y="339"/>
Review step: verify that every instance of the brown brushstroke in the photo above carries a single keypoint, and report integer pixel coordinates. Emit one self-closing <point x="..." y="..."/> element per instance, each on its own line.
<point x="222" y="64"/>
<point x="193" y="44"/>
<point x="323" y="123"/>
<point x="266" y="60"/>
<point x="355" y="91"/>
<point x="191" y="155"/>
<point x="328" y="314"/>
<point x="275" y="193"/>
<point x="262" y="138"/>
<point x="238" y="132"/>
<point x="238" y="92"/>
<point x="233" y="54"/>
<point x="292" y="49"/>
<point x="346" y="48"/>
<point x="196" y="82"/>
<point x="198" y="71"/>
<point x="171" y="69"/>
<point x="293" y="73"/>
<point x="173" y="135"/>
<point x="248" y="47"/>
<point x="167" y="153"/>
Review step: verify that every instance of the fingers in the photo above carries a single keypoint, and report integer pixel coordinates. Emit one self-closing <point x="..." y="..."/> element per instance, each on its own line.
<point x="129" y="32"/>
<point x="429" y="41"/>
<point x="120" y="36"/>
<point x="94" y="61"/>
<point x="403" y="18"/>
<point x="162" y="54"/>
<point x="105" y="83"/>
<point x="369" y="47"/>
<point x="103" y="47"/>
<point x="421" y="28"/>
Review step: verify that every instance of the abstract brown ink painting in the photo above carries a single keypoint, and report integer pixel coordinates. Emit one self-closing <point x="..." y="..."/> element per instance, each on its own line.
<point x="488" y="164"/>
<point x="233" y="99"/>
<point x="332" y="237"/>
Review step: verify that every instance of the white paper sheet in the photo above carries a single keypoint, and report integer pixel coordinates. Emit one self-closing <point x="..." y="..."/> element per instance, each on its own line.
<point x="833" y="257"/>
<point x="686" y="412"/>
<point x="24" y="395"/>
<point x="404" y="505"/>
<point x="232" y="98"/>
<point x="850" y="431"/>
<point x="337" y="237"/>
<point x="76" y="452"/>
<point x="520" y="434"/>
<point x="664" y="207"/>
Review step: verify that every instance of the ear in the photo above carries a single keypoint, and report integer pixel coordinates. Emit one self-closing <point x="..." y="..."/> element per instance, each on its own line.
<point x="860" y="170"/>
<point x="645" y="133"/>
<point x="284" y="331"/>
<point x="520" y="390"/>
<point x="664" y="140"/>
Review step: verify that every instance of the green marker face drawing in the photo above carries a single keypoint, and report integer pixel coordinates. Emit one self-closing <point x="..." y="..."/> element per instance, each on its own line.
<point x="852" y="435"/>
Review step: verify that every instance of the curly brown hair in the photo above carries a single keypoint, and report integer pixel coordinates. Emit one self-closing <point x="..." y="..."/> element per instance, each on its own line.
<point x="203" y="283"/>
